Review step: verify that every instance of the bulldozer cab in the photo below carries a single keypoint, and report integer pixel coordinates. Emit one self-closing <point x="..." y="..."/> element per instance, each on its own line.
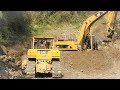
<point x="43" y="43"/>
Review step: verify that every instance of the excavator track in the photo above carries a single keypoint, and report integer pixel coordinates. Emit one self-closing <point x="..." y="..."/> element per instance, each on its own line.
<point x="56" y="69"/>
<point x="30" y="68"/>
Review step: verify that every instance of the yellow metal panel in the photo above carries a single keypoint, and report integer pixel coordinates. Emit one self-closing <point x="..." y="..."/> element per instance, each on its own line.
<point x="55" y="53"/>
<point x="32" y="53"/>
<point x="111" y="20"/>
<point x="72" y="44"/>
<point x="46" y="56"/>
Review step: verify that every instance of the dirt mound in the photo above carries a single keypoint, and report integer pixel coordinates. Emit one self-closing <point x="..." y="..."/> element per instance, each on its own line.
<point x="91" y="62"/>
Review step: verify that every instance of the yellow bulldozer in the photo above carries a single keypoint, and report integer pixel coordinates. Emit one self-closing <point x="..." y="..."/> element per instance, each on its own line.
<point x="42" y="58"/>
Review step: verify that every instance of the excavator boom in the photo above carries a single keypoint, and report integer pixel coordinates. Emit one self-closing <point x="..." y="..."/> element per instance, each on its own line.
<point x="85" y="30"/>
<point x="111" y="20"/>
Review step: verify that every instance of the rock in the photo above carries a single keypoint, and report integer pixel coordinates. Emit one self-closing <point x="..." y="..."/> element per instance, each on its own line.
<point x="81" y="70"/>
<point x="3" y="50"/>
<point x="5" y="58"/>
<point x="2" y="57"/>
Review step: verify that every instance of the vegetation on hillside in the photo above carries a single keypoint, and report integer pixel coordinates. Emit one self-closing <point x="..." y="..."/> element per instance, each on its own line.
<point x="16" y="26"/>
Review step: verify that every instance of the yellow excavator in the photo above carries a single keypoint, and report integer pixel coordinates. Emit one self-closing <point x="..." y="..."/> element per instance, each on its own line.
<point x="85" y="38"/>
<point x="42" y="59"/>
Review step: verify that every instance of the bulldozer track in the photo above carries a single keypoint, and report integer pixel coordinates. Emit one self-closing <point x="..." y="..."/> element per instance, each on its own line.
<point x="56" y="67"/>
<point x="30" y="69"/>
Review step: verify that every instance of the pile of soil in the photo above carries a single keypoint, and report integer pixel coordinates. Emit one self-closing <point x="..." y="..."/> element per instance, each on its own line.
<point x="92" y="63"/>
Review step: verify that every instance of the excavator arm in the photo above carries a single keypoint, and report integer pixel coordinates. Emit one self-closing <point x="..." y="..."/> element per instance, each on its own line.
<point x="85" y="29"/>
<point x="111" y="20"/>
<point x="111" y="23"/>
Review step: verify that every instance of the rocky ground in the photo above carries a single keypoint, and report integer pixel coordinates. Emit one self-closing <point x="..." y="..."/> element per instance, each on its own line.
<point x="101" y="64"/>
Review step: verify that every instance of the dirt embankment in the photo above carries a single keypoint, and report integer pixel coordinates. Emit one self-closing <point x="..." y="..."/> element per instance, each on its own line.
<point x="103" y="63"/>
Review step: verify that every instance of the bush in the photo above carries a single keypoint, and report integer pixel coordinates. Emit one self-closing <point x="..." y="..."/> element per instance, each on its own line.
<point x="16" y="26"/>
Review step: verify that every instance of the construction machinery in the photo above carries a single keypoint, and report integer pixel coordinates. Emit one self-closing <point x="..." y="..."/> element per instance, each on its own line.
<point x="85" y="38"/>
<point x="43" y="58"/>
